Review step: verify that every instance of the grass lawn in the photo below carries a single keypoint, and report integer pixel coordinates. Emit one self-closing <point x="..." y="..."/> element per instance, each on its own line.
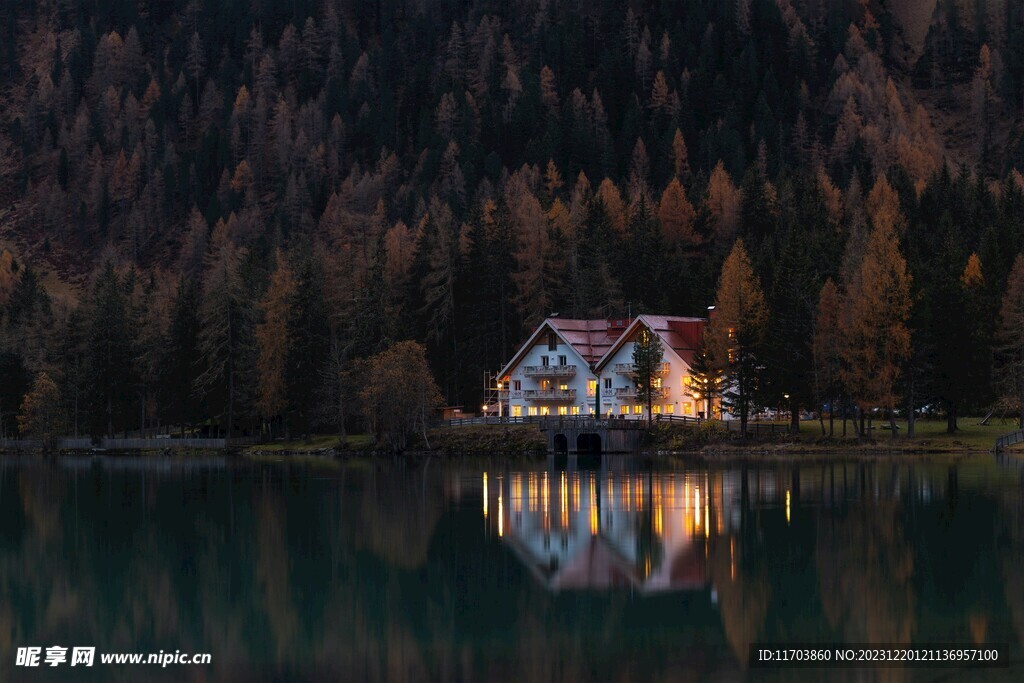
<point x="970" y="433"/>
<point x="320" y="441"/>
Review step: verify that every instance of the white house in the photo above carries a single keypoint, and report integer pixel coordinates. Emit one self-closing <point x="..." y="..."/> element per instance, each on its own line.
<point x="557" y="370"/>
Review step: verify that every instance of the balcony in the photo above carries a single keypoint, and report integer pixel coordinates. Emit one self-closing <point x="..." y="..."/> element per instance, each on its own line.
<point x="629" y="393"/>
<point x="549" y="394"/>
<point x="549" y="370"/>
<point x="630" y="368"/>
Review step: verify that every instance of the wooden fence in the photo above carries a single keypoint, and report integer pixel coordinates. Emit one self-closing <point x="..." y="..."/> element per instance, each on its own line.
<point x="1009" y="439"/>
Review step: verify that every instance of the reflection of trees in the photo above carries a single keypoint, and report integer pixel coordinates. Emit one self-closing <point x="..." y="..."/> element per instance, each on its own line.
<point x="272" y="571"/>
<point x="864" y="566"/>
<point x="865" y="569"/>
<point x="743" y="594"/>
<point x="395" y="518"/>
<point x="1012" y="526"/>
<point x="376" y="577"/>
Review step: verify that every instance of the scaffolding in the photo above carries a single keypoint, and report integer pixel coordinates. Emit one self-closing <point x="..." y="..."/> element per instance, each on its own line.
<point x="494" y="403"/>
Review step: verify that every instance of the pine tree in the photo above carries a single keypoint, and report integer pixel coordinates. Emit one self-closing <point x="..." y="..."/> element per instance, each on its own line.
<point x="1010" y="336"/>
<point x="827" y="348"/>
<point x="109" y="352"/>
<point x="181" y="355"/>
<point x="705" y="381"/>
<point x="225" y="335"/>
<point x="648" y="355"/>
<point x="737" y="330"/>
<point x="308" y="343"/>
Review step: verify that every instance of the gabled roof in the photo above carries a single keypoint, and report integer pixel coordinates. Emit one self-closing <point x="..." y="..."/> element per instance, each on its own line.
<point x="589" y="339"/>
<point x="595" y="341"/>
<point x="680" y="334"/>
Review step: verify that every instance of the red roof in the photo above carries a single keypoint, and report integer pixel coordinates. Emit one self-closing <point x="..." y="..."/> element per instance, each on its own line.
<point x="589" y="338"/>
<point x="593" y="339"/>
<point x="682" y="335"/>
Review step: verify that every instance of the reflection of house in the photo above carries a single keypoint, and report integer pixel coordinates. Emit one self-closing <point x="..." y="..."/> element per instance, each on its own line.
<point x="558" y="369"/>
<point x="600" y="530"/>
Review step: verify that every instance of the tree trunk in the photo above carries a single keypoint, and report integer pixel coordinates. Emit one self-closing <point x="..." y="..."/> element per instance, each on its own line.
<point x="950" y="417"/>
<point x="892" y="421"/>
<point x="832" y="418"/>
<point x="794" y="416"/>
<point x="911" y="413"/>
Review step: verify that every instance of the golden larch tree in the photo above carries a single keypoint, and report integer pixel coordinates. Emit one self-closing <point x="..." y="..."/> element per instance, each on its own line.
<point x="680" y="157"/>
<point x="722" y="203"/>
<point x="272" y="338"/>
<point x="676" y="214"/>
<point x="876" y="336"/>
<point x="42" y="414"/>
<point x="737" y="329"/>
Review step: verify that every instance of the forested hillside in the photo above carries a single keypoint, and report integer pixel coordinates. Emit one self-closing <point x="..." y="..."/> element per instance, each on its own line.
<point x="216" y="209"/>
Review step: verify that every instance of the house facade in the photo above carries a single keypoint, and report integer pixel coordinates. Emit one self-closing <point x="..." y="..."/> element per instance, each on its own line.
<point x="557" y="370"/>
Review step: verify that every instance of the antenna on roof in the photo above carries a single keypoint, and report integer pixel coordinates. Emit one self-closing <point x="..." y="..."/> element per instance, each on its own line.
<point x="629" y="309"/>
<point x="554" y="315"/>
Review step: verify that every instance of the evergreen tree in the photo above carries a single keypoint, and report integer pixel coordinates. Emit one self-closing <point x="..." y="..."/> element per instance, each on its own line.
<point x="827" y="349"/>
<point x="226" y="345"/>
<point x="109" y="345"/>
<point x="1010" y="337"/>
<point x="308" y="343"/>
<point x="648" y="355"/>
<point x="181" y="359"/>
<point x="705" y="381"/>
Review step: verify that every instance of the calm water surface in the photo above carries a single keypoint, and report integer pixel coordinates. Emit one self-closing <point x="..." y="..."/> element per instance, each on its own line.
<point x="448" y="571"/>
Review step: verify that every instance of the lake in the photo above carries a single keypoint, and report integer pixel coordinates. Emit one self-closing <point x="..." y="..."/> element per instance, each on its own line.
<point x="444" y="570"/>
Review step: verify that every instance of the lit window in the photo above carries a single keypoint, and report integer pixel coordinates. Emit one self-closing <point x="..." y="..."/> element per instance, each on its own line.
<point x="531" y="411"/>
<point x="670" y="408"/>
<point x="656" y="409"/>
<point x="575" y="410"/>
<point x="656" y="382"/>
<point x="638" y="410"/>
<point x="544" y="410"/>
<point x="545" y="385"/>
<point x="517" y="411"/>
<point x="563" y="410"/>
<point x="564" y="387"/>
<point x="623" y="410"/>
<point x="688" y="408"/>
<point x="687" y="381"/>
<point x="591" y="387"/>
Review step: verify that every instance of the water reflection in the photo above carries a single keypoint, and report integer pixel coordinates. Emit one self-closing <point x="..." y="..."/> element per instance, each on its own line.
<point x="447" y="571"/>
<point x="579" y="530"/>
